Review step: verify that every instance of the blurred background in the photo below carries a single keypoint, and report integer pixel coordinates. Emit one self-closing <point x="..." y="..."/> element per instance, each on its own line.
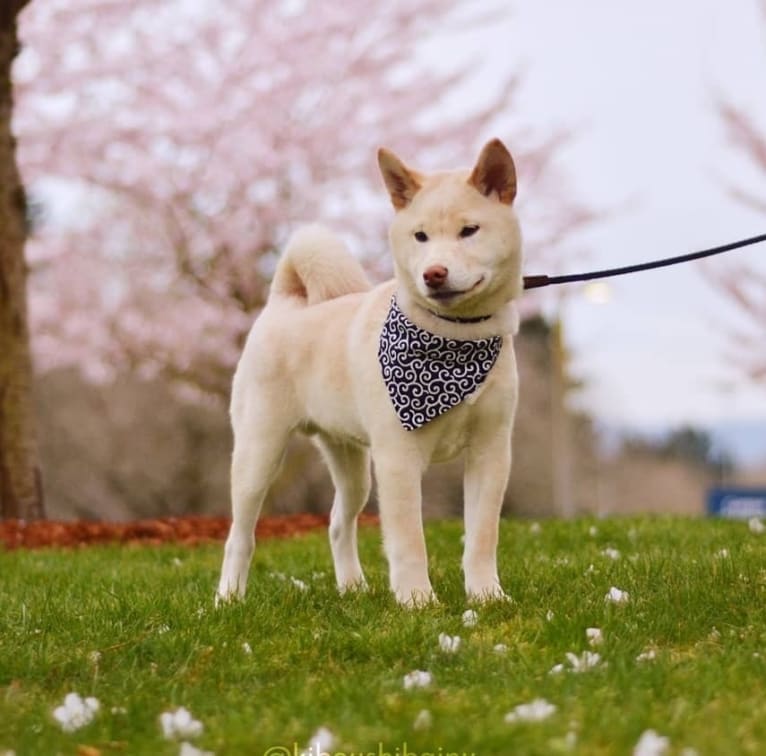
<point x="169" y="148"/>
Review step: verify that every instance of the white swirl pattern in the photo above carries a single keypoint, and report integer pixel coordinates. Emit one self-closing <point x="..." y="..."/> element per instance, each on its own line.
<point x="426" y="374"/>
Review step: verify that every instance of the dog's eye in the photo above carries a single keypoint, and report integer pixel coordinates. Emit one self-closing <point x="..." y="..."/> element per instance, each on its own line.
<point x="467" y="231"/>
<point x="421" y="236"/>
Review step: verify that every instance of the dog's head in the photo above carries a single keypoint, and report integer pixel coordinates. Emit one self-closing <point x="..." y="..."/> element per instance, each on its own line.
<point x="455" y="237"/>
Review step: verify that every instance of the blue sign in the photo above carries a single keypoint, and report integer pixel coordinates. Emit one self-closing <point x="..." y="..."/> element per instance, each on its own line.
<point x="737" y="503"/>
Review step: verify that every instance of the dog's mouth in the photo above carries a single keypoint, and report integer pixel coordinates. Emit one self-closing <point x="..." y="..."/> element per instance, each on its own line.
<point x="448" y="295"/>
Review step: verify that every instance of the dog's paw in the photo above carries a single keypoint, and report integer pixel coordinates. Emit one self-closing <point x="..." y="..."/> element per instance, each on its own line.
<point x="353" y="586"/>
<point x="416" y="598"/>
<point x="487" y="594"/>
<point x="226" y="595"/>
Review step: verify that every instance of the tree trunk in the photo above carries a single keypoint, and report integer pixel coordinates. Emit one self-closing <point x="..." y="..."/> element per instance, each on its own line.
<point x="20" y="482"/>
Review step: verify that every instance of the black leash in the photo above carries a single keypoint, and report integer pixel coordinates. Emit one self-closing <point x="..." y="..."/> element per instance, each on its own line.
<point x="536" y="282"/>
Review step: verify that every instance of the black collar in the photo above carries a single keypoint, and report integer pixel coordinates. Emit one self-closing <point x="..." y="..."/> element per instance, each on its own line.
<point x="477" y="319"/>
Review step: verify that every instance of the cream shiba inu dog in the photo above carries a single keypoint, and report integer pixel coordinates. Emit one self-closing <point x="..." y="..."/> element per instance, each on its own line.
<point x="414" y="371"/>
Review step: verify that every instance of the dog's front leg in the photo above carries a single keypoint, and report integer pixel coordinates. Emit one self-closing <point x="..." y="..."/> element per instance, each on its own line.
<point x="488" y="464"/>
<point x="398" y="473"/>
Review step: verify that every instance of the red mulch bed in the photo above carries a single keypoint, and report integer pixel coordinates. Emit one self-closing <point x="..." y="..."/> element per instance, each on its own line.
<point x="188" y="531"/>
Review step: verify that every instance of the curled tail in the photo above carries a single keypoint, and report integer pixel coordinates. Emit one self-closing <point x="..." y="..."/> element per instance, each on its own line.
<point x="315" y="266"/>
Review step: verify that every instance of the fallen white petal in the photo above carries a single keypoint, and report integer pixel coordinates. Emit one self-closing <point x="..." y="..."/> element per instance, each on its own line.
<point x="179" y="724"/>
<point x="611" y="553"/>
<point x="616" y="596"/>
<point x="187" y="749"/>
<point x="651" y="744"/>
<point x="587" y="660"/>
<point x="648" y="655"/>
<point x="592" y="531"/>
<point x="75" y="712"/>
<point x="449" y="643"/>
<point x="755" y="525"/>
<point x="535" y="528"/>
<point x="299" y="584"/>
<point x="247" y="648"/>
<point x="594" y="635"/>
<point x="417" y="679"/>
<point x="500" y="648"/>
<point x="535" y="711"/>
<point x="423" y="720"/>
<point x="549" y="615"/>
<point x="556" y="669"/>
<point x="321" y="742"/>
<point x="470" y="618"/>
<point x="722" y="554"/>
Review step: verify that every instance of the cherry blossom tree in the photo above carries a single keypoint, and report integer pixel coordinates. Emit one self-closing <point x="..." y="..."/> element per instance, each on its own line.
<point x="20" y="489"/>
<point x="174" y="146"/>
<point x="745" y="284"/>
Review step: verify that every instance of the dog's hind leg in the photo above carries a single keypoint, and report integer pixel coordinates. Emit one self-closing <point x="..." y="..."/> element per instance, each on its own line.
<point x="259" y="443"/>
<point x="350" y="470"/>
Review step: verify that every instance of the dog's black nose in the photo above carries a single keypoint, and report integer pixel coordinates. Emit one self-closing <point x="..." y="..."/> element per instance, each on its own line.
<point x="435" y="276"/>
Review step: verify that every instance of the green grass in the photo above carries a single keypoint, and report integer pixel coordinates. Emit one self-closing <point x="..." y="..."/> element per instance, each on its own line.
<point x="322" y="659"/>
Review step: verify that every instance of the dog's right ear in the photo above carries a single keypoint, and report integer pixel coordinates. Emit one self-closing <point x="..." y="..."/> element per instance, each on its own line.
<point x="402" y="182"/>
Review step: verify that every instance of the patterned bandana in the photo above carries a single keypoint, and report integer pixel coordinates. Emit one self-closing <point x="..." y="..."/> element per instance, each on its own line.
<point x="425" y="374"/>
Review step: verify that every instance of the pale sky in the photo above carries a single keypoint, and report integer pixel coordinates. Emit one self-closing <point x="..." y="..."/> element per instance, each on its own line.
<point x="639" y="81"/>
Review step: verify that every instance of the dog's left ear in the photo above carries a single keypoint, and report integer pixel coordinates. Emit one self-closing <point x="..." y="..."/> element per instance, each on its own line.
<point x="495" y="172"/>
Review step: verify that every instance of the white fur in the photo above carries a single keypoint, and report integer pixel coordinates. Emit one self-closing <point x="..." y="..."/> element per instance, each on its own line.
<point x="310" y="364"/>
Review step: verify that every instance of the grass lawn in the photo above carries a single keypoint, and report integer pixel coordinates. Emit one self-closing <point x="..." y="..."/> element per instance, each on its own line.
<point x="136" y="629"/>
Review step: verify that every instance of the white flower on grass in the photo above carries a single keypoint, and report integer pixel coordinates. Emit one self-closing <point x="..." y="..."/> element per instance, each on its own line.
<point x="118" y="710"/>
<point x="299" y="584"/>
<point x="470" y="618"/>
<point x="94" y="657"/>
<point x="535" y="528"/>
<point x="162" y="629"/>
<point x="611" y="553"/>
<point x="179" y="724"/>
<point x="648" y="655"/>
<point x="594" y="635"/>
<point x="592" y="531"/>
<point x="423" y="720"/>
<point x="187" y="749"/>
<point x="616" y="596"/>
<point x="535" y="711"/>
<point x="500" y="648"/>
<point x="722" y="554"/>
<point x="75" y="712"/>
<point x="549" y="615"/>
<point x="247" y="648"/>
<point x="755" y="525"/>
<point x="585" y="661"/>
<point x="591" y="569"/>
<point x="417" y="679"/>
<point x="449" y="643"/>
<point x="177" y="562"/>
<point x="321" y="742"/>
<point x="651" y="744"/>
